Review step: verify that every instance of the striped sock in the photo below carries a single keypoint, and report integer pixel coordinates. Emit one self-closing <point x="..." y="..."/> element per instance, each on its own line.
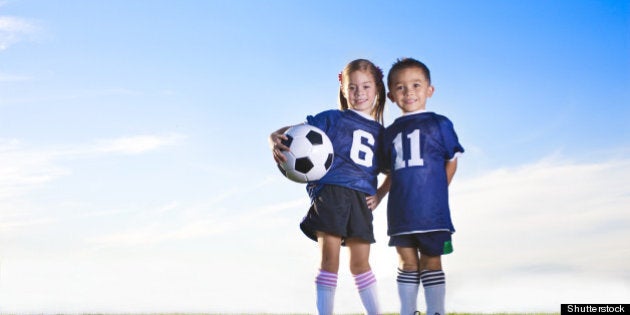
<point x="366" y="284"/>
<point x="434" y="283"/>
<point x="326" y="283"/>
<point x="408" y="286"/>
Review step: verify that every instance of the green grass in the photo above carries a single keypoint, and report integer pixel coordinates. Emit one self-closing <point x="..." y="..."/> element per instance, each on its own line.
<point x="491" y="314"/>
<point x="292" y="314"/>
<point x="298" y="314"/>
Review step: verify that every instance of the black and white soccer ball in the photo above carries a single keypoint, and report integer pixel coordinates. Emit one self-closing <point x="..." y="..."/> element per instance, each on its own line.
<point x="310" y="154"/>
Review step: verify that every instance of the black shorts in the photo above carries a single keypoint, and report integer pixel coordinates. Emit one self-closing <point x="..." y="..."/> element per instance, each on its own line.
<point x="430" y="243"/>
<point x="339" y="211"/>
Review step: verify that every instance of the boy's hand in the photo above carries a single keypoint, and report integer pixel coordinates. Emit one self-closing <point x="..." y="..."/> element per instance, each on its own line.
<point x="381" y="192"/>
<point x="372" y="201"/>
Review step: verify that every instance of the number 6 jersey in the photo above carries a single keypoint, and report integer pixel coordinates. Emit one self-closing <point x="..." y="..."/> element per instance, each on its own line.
<point x="416" y="148"/>
<point x="356" y="140"/>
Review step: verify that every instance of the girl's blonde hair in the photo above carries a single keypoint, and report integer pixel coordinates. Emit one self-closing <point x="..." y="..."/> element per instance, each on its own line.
<point x="377" y="74"/>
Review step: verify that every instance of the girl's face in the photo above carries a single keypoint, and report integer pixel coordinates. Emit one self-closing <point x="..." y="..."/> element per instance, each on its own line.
<point x="360" y="91"/>
<point x="410" y="90"/>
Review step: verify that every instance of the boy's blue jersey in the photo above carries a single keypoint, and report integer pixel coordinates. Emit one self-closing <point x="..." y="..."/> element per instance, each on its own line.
<point x="416" y="148"/>
<point x="356" y="141"/>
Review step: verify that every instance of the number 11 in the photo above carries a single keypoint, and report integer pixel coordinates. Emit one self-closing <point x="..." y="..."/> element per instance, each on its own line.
<point x="415" y="159"/>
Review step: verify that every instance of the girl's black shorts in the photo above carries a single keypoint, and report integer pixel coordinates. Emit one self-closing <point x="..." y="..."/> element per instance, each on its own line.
<point x="339" y="211"/>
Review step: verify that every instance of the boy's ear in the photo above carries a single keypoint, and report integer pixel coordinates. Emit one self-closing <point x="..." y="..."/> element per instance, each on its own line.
<point x="390" y="97"/>
<point x="431" y="90"/>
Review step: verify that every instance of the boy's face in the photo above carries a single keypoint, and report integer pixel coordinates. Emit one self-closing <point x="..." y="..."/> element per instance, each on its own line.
<point x="410" y="89"/>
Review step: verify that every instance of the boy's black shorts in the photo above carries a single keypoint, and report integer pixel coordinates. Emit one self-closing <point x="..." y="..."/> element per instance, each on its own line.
<point x="429" y="243"/>
<point x="339" y="211"/>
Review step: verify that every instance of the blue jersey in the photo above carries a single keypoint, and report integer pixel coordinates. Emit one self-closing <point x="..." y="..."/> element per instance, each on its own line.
<point x="356" y="141"/>
<point x="416" y="148"/>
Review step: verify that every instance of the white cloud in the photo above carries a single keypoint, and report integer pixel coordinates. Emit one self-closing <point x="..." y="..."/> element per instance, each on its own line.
<point x="136" y="144"/>
<point x="6" y="78"/>
<point x="532" y="293"/>
<point x="23" y="168"/>
<point x="198" y="222"/>
<point x="15" y="29"/>
<point x="541" y="234"/>
<point x="555" y="210"/>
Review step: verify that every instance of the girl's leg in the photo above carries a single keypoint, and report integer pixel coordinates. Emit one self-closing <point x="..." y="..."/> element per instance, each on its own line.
<point x="434" y="284"/>
<point x="329" y="245"/>
<point x="408" y="279"/>
<point x="363" y="276"/>
<point x="326" y="281"/>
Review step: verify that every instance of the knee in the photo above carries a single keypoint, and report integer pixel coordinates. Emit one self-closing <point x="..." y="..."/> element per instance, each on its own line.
<point x="431" y="263"/>
<point x="409" y="263"/>
<point x="359" y="267"/>
<point x="409" y="266"/>
<point x="330" y="264"/>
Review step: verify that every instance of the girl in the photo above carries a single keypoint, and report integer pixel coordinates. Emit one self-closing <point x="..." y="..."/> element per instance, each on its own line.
<point x="342" y="201"/>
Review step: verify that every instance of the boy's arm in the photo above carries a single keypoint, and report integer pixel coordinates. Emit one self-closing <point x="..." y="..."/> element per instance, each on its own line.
<point x="381" y="192"/>
<point x="451" y="167"/>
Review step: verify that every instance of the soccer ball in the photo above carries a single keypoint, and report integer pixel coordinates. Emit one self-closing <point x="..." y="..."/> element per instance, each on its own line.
<point x="310" y="154"/>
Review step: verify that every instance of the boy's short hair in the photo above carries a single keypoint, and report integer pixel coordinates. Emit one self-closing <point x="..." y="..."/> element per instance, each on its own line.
<point x="405" y="63"/>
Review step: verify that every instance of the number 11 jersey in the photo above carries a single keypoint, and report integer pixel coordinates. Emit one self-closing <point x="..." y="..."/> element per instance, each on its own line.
<point x="416" y="148"/>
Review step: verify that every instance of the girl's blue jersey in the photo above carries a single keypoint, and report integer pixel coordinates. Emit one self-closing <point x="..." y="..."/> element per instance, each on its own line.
<point x="356" y="141"/>
<point x="416" y="148"/>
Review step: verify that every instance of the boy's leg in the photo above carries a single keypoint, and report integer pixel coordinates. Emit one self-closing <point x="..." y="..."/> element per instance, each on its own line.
<point x="434" y="283"/>
<point x="326" y="280"/>
<point x="408" y="279"/>
<point x="363" y="276"/>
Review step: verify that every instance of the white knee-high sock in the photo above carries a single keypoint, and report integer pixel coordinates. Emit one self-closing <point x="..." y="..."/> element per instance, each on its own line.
<point x="408" y="287"/>
<point x="434" y="283"/>
<point x="326" y="284"/>
<point x="366" y="284"/>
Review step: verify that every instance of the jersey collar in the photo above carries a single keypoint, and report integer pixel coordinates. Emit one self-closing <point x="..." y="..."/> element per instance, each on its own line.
<point x="362" y="114"/>
<point x="416" y="112"/>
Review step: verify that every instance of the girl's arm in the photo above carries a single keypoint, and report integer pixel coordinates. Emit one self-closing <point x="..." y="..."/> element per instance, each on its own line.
<point x="275" y="142"/>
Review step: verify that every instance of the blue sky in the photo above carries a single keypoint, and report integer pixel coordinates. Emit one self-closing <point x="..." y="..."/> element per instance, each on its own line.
<point x="135" y="174"/>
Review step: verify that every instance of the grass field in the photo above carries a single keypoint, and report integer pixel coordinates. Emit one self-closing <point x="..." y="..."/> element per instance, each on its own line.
<point x="279" y="314"/>
<point x="288" y="314"/>
<point x="311" y="314"/>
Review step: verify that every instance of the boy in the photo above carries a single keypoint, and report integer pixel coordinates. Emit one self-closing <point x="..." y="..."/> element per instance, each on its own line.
<point x="421" y="150"/>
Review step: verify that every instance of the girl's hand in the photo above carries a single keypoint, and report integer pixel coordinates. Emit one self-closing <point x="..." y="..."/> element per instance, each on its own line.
<point x="275" y="142"/>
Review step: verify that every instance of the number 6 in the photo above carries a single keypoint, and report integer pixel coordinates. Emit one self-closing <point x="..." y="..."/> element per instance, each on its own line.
<point x="358" y="147"/>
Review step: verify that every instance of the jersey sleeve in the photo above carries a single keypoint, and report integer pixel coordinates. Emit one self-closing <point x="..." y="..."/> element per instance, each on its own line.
<point x="323" y="120"/>
<point x="450" y="140"/>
